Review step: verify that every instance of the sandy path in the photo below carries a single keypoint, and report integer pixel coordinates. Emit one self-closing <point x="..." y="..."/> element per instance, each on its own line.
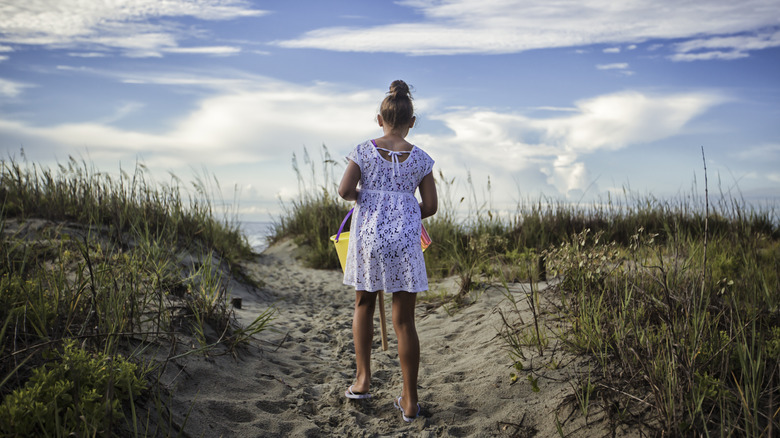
<point x="296" y="389"/>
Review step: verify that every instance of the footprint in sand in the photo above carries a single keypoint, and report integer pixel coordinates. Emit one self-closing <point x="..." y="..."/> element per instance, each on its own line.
<point x="232" y="412"/>
<point x="271" y="406"/>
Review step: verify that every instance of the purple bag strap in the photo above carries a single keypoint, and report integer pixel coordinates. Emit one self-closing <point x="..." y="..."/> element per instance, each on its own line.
<point x="343" y="223"/>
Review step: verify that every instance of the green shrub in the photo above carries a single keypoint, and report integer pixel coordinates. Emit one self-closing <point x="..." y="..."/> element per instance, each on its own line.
<point x="78" y="392"/>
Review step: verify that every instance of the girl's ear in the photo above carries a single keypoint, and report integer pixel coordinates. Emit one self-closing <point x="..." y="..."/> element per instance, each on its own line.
<point x="411" y="123"/>
<point x="379" y="120"/>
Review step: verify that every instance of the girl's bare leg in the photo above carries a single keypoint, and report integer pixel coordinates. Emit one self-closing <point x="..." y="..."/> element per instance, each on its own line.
<point x="408" y="348"/>
<point x="363" y="335"/>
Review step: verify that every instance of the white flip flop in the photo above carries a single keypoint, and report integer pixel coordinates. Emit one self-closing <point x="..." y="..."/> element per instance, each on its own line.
<point x="356" y="395"/>
<point x="397" y="404"/>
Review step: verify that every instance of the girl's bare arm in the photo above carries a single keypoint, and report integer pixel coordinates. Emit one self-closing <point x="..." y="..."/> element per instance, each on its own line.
<point x="430" y="200"/>
<point x="348" y="186"/>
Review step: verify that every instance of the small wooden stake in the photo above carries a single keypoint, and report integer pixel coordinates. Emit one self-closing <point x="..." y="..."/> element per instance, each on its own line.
<point x="542" y="264"/>
<point x="382" y="319"/>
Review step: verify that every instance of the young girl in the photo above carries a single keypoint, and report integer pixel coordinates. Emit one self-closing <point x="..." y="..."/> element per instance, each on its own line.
<point x="384" y="240"/>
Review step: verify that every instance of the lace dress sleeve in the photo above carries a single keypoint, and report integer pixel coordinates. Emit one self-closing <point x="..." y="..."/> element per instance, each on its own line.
<point x="356" y="156"/>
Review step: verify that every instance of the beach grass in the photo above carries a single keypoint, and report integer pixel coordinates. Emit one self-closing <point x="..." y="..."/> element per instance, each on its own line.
<point x="675" y="301"/>
<point x="316" y="213"/>
<point x="97" y="272"/>
<point x="680" y="332"/>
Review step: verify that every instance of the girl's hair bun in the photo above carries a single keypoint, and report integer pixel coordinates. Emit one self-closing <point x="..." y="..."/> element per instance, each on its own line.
<point x="399" y="89"/>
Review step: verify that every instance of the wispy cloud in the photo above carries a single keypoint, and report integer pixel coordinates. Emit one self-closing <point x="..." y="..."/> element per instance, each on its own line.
<point x="87" y="54"/>
<point x="615" y="66"/>
<point x="217" y="81"/>
<point x="620" y="67"/>
<point x="11" y="88"/>
<point x="708" y="56"/>
<point x="5" y="49"/>
<point x="724" y="47"/>
<point x="122" y="111"/>
<point x="507" y="26"/>
<point x="135" y="27"/>
<point x="207" y="50"/>
<point x="766" y="152"/>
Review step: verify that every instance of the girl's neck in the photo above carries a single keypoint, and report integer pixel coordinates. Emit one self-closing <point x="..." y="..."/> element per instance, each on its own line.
<point x="394" y="142"/>
<point x="391" y="131"/>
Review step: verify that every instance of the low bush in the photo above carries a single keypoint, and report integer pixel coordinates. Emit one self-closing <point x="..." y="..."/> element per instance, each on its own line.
<point x="77" y="392"/>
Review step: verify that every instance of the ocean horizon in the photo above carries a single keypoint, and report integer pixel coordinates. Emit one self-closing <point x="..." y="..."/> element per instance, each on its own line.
<point x="257" y="233"/>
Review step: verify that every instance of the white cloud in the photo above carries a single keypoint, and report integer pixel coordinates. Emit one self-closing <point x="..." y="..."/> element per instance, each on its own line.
<point x="617" y="120"/>
<point x="555" y="108"/>
<point x="507" y="26"/>
<point x="138" y="27"/>
<point x="221" y="82"/>
<point x="769" y="152"/>
<point x="259" y="121"/>
<point x="87" y="54"/>
<point x="11" y="88"/>
<point x="736" y="46"/>
<point x="123" y="110"/>
<point x="615" y="66"/>
<point x="612" y="50"/>
<point x="5" y="49"/>
<point x="566" y="175"/>
<point x="208" y="50"/>
<point x="737" y="42"/>
<point x="621" y="67"/>
<point x="511" y="142"/>
<point x="707" y="56"/>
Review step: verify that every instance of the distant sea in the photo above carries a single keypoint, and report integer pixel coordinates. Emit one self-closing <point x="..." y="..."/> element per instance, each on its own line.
<point x="257" y="233"/>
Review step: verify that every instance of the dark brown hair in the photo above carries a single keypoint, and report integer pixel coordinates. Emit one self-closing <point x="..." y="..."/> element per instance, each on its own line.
<point x="397" y="108"/>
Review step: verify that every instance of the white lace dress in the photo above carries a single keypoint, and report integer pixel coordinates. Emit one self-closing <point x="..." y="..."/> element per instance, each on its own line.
<point x="384" y="239"/>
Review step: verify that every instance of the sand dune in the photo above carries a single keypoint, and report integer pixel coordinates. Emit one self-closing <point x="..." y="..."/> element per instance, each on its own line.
<point x="291" y="382"/>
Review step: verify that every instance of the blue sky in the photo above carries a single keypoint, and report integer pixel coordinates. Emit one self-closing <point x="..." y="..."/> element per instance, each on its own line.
<point x="566" y="99"/>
